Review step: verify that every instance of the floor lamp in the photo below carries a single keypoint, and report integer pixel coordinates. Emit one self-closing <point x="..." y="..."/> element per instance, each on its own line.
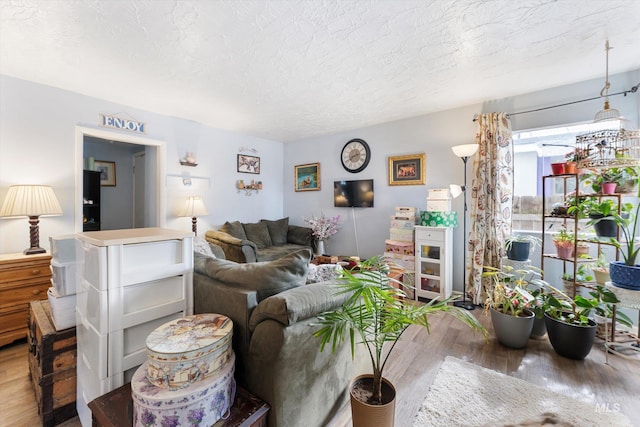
<point x="464" y="152"/>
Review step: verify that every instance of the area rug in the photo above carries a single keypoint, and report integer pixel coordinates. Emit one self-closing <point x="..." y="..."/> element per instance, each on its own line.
<point x="464" y="394"/>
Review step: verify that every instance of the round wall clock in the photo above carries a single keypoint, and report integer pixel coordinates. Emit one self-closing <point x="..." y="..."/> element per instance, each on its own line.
<point x="355" y="155"/>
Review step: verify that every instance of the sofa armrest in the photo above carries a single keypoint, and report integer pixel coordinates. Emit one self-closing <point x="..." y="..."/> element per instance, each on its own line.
<point x="299" y="235"/>
<point x="298" y="304"/>
<point x="235" y="249"/>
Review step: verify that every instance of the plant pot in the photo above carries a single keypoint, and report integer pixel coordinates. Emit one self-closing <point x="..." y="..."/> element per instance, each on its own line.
<point x="606" y="227"/>
<point x="572" y="341"/>
<point x="608" y="188"/>
<point x="582" y="249"/>
<point x="519" y="251"/>
<point x="367" y="415"/>
<point x="565" y="252"/>
<point x="569" y="286"/>
<point x="628" y="186"/>
<point x="570" y="167"/>
<point x="625" y="276"/>
<point x="557" y="168"/>
<point x="601" y="275"/>
<point x="539" y="329"/>
<point x="512" y="331"/>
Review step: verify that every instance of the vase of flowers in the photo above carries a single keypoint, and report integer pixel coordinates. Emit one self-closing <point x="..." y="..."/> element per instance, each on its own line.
<point x="322" y="228"/>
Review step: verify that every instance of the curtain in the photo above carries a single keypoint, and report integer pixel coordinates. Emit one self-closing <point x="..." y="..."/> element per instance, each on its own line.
<point x="491" y="199"/>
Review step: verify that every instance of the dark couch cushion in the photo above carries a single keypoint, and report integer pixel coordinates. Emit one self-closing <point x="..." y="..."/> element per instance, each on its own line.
<point x="258" y="233"/>
<point x="266" y="278"/>
<point x="277" y="230"/>
<point x="235" y="229"/>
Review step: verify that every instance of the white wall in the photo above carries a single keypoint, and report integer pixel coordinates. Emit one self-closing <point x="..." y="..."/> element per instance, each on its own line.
<point x="37" y="145"/>
<point x="433" y="134"/>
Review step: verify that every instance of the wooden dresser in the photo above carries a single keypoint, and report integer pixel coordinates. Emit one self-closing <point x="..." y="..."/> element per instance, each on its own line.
<point x="23" y="278"/>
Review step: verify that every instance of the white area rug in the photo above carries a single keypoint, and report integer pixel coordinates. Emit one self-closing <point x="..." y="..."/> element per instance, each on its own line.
<point x="464" y="394"/>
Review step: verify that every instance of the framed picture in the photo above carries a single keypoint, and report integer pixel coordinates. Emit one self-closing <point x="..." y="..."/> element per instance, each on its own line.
<point x="107" y="173"/>
<point x="248" y="164"/>
<point x="407" y="170"/>
<point x="307" y="177"/>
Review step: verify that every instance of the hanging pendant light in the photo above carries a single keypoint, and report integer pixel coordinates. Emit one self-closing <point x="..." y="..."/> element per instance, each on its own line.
<point x="607" y="113"/>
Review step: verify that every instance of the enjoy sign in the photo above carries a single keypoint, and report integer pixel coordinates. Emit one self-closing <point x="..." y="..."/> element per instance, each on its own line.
<point x="118" y="123"/>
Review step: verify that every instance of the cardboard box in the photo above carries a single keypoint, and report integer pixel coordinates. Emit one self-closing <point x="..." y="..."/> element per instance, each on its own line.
<point x="399" y="247"/>
<point x="439" y="219"/>
<point x="438" y="205"/>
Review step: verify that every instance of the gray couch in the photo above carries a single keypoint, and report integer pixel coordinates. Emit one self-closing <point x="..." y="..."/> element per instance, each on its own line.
<point x="274" y="315"/>
<point x="262" y="241"/>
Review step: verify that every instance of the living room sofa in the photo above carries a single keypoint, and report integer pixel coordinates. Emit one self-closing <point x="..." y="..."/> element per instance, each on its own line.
<point x="277" y="357"/>
<point x="262" y="241"/>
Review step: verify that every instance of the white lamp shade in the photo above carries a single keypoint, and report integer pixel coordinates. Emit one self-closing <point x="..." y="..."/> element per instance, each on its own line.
<point x="465" y="150"/>
<point x="195" y="207"/>
<point x="455" y="189"/>
<point x="30" y="200"/>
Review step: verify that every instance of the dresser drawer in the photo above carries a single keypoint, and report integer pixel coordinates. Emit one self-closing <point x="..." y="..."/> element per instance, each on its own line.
<point x="14" y="318"/>
<point x="12" y="273"/>
<point x="20" y="296"/>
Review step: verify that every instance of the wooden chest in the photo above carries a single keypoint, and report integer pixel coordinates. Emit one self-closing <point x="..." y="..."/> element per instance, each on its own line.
<point x="52" y="364"/>
<point x="23" y="278"/>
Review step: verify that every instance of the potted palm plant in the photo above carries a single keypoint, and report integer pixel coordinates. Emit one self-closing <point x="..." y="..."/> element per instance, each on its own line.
<point x="376" y="315"/>
<point x="510" y="303"/>
<point x="520" y="246"/>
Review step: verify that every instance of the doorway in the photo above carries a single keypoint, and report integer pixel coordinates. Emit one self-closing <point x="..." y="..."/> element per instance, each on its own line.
<point x="152" y="200"/>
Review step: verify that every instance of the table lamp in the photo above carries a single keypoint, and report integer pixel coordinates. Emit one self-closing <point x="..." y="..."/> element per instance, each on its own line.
<point x="195" y="208"/>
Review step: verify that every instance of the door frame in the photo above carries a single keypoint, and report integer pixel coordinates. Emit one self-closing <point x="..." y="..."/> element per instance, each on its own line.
<point x="82" y="131"/>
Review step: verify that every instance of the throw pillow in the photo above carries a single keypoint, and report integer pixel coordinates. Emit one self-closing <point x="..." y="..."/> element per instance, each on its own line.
<point x="258" y="233"/>
<point x="201" y="246"/>
<point x="267" y="277"/>
<point x="277" y="230"/>
<point x="235" y="229"/>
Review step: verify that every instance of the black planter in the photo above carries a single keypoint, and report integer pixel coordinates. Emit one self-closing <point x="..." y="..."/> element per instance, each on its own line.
<point x="519" y="251"/>
<point x="572" y="341"/>
<point x="606" y="227"/>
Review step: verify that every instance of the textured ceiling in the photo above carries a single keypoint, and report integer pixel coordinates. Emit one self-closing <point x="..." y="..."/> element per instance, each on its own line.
<point x="287" y="70"/>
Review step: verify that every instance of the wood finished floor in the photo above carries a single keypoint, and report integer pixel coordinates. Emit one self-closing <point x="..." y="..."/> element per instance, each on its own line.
<point x="417" y="360"/>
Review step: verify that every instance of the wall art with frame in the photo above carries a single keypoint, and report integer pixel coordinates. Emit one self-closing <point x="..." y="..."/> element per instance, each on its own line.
<point x="107" y="172"/>
<point x="248" y="164"/>
<point x="408" y="169"/>
<point x="307" y="177"/>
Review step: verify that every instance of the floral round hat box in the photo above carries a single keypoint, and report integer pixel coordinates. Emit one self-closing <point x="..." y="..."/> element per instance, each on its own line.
<point x="202" y="403"/>
<point x="186" y="350"/>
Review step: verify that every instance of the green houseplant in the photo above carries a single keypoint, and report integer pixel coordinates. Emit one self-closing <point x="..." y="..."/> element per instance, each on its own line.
<point x="563" y="240"/>
<point x="520" y="246"/>
<point x="510" y="303"/>
<point x="376" y="315"/>
<point x="570" y="328"/>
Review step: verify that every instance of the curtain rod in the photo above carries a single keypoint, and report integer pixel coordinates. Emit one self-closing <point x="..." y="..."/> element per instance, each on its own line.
<point x="634" y="89"/>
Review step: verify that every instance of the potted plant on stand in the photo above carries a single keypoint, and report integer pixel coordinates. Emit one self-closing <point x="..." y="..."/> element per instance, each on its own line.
<point x="601" y="269"/>
<point x="601" y="214"/>
<point x="509" y="304"/>
<point x="571" y="331"/>
<point x="377" y="315"/>
<point x="520" y="246"/>
<point x="564" y="243"/>
<point x="627" y="274"/>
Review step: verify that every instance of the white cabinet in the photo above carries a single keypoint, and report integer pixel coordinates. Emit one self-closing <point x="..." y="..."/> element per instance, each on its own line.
<point x="433" y="254"/>
<point x="132" y="281"/>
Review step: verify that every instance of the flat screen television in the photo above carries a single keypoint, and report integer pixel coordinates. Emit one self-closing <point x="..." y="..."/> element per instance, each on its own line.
<point x="353" y="194"/>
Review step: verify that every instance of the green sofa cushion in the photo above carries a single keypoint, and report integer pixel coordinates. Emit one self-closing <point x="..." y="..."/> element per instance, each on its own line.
<point x="235" y="229"/>
<point x="277" y="230"/>
<point x="298" y="304"/>
<point x="258" y="233"/>
<point x="266" y="278"/>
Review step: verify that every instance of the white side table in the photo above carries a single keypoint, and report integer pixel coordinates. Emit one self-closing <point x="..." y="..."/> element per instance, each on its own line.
<point x="629" y="299"/>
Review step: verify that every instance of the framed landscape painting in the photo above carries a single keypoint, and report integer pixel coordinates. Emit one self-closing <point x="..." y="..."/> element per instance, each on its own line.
<point x="407" y="170"/>
<point x="307" y="177"/>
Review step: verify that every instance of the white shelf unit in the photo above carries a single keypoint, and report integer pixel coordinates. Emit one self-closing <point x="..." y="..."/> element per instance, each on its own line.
<point x="433" y="256"/>
<point x="132" y="281"/>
